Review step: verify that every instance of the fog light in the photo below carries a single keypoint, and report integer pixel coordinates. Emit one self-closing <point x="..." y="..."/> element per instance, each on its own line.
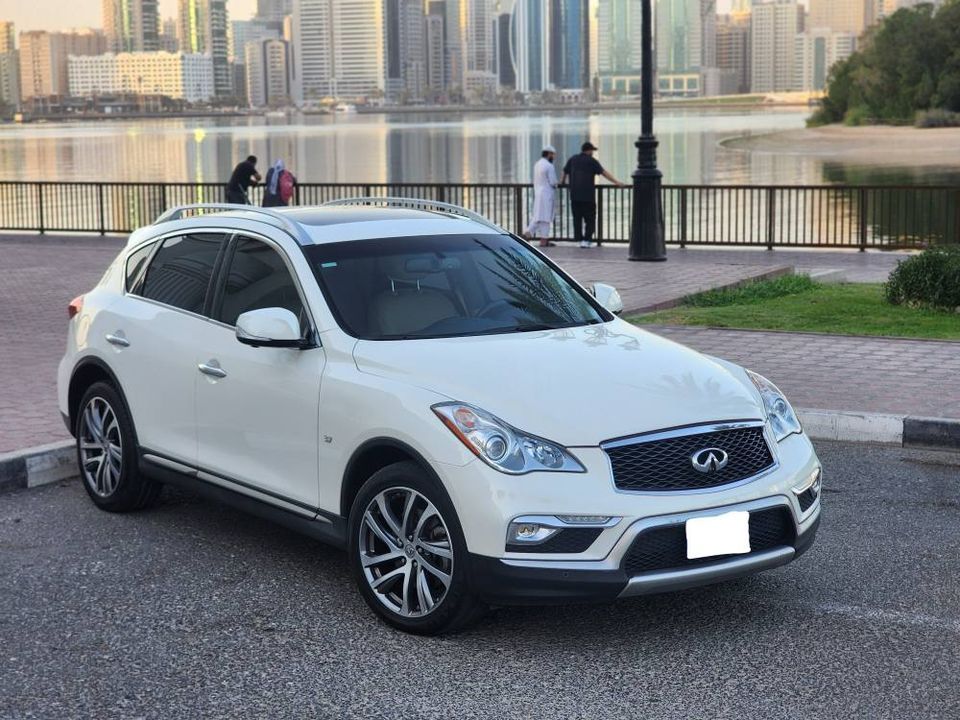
<point x="527" y="532"/>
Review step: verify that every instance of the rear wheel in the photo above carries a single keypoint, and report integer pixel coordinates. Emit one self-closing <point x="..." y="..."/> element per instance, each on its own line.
<point x="107" y="453"/>
<point x="408" y="553"/>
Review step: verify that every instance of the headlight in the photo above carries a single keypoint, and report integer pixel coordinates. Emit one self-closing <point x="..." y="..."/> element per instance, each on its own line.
<point x="501" y="446"/>
<point x="783" y="420"/>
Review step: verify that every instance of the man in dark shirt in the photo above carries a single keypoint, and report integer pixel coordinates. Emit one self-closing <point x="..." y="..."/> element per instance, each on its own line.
<point x="581" y="170"/>
<point x="244" y="175"/>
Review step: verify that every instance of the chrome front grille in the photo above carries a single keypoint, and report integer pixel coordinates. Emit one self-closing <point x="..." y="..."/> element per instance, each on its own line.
<point x="661" y="462"/>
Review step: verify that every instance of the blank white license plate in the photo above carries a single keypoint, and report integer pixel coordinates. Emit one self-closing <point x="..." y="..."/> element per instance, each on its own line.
<point x="727" y="534"/>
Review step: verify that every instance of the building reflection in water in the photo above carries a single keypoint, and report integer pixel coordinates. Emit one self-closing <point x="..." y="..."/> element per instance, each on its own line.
<point x="437" y="147"/>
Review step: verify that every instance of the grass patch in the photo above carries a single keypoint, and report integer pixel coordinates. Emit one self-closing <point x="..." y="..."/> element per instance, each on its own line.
<point x="753" y="292"/>
<point x="797" y="304"/>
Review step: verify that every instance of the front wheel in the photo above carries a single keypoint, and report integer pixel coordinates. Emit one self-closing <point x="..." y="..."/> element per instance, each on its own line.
<point x="107" y="453"/>
<point x="408" y="553"/>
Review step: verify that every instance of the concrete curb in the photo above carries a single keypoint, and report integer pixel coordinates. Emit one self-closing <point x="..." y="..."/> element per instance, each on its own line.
<point x="37" y="465"/>
<point x="46" y="464"/>
<point x="768" y="274"/>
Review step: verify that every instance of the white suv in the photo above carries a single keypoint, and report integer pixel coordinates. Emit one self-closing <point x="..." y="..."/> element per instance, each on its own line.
<point x="414" y="384"/>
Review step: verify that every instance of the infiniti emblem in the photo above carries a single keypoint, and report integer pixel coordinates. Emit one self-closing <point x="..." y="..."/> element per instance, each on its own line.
<point x="709" y="460"/>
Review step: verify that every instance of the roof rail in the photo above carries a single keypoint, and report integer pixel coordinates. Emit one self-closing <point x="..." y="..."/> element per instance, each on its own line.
<point x="279" y="220"/>
<point x="418" y="204"/>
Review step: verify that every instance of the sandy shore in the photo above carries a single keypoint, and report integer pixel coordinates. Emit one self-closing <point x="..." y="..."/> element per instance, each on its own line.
<point x="905" y="146"/>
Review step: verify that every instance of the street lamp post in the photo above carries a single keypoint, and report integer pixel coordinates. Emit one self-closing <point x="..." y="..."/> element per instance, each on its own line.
<point x="646" y="227"/>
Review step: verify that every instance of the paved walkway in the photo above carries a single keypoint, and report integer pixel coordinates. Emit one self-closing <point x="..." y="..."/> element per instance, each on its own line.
<point x="40" y="275"/>
<point x="837" y="372"/>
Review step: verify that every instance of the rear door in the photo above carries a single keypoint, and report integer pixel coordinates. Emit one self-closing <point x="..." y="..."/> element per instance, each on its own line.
<point x="153" y="334"/>
<point x="258" y="422"/>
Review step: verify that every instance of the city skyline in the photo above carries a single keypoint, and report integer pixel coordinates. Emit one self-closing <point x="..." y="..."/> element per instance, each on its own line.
<point x="54" y="15"/>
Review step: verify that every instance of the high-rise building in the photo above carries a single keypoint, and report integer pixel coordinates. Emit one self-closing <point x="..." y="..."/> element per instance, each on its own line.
<point x="817" y="51"/>
<point x="506" y="75"/>
<point x="436" y="53"/>
<point x="43" y="59"/>
<point x="268" y="72"/>
<point x="8" y="38"/>
<point x="168" y="36"/>
<point x="251" y="31"/>
<point x="274" y="9"/>
<point x="202" y="28"/>
<point x="619" y="24"/>
<point x="733" y="53"/>
<point x="679" y="45"/>
<point x="174" y="75"/>
<point x="9" y="67"/>
<point x="842" y="16"/>
<point x="477" y="43"/>
<point x="529" y="45"/>
<point x="569" y="50"/>
<point x="340" y="48"/>
<point x="131" y="25"/>
<point x="774" y="29"/>
<point x="406" y="56"/>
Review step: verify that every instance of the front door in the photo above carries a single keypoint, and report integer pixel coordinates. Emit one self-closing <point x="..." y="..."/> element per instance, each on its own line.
<point x="257" y="411"/>
<point x="153" y="334"/>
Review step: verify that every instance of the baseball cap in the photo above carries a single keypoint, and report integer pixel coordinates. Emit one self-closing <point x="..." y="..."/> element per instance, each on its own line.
<point x="588" y="146"/>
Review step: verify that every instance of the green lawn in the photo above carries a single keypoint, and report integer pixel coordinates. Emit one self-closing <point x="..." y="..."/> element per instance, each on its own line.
<point x="798" y="304"/>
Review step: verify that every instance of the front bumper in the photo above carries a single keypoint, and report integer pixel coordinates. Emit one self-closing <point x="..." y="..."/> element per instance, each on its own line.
<point x="512" y="582"/>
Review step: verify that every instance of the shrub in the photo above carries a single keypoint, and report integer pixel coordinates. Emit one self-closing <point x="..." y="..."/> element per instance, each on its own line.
<point x="937" y="119"/>
<point x="857" y="116"/>
<point x="930" y="279"/>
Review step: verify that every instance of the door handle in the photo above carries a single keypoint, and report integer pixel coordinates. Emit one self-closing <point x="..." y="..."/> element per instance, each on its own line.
<point x="118" y="340"/>
<point x="212" y="369"/>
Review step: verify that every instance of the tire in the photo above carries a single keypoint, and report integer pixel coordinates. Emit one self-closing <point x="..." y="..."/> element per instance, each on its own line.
<point x="415" y="567"/>
<point x="107" y="458"/>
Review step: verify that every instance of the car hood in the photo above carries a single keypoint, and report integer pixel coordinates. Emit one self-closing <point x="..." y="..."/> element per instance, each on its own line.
<point x="578" y="386"/>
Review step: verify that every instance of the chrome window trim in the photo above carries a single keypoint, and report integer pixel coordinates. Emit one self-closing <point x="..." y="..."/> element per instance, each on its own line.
<point x="685" y="431"/>
<point x="614" y="558"/>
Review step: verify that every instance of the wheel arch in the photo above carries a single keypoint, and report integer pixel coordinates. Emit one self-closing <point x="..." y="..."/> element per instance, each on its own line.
<point x="374" y="455"/>
<point x="88" y="371"/>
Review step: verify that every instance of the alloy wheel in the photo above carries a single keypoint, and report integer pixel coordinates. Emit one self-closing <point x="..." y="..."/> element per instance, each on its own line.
<point x="406" y="552"/>
<point x="101" y="447"/>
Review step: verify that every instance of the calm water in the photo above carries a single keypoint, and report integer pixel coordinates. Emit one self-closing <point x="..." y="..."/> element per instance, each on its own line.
<point x="393" y="148"/>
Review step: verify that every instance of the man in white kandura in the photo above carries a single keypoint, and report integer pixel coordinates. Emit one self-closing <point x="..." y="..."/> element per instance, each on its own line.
<point x="544" y="197"/>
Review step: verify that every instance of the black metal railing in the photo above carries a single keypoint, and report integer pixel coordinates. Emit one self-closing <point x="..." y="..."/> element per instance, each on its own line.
<point x="846" y="216"/>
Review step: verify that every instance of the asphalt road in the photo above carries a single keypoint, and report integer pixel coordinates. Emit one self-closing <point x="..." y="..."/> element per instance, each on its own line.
<point x="193" y="610"/>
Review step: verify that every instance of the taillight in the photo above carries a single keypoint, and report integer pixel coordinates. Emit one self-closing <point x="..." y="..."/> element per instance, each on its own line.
<point x="75" y="306"/>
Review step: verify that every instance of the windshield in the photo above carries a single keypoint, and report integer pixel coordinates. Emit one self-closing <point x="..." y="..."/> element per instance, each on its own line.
<point x="446" y="286"/>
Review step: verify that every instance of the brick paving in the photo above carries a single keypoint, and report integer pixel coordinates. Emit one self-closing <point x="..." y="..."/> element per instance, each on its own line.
<point x="40" y="275"/>
<point x="836" y="372"/>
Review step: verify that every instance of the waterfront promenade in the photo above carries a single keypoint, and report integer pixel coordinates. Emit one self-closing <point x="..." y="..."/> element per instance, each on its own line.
<point x="42" y="274"/>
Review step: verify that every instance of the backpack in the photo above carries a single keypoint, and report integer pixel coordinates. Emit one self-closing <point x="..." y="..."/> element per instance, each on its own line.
<point x="285" y="186"/>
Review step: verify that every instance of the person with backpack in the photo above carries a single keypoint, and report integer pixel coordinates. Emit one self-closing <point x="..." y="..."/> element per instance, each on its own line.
<point x="279" y="186"/>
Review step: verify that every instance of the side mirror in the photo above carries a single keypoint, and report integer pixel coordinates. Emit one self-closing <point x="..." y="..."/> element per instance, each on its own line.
<point x="270" y="327"/>
<point x="608" y="296"/>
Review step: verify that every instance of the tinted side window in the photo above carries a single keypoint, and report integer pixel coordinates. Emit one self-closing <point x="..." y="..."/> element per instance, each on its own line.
<point x="180" y="271"/>
<point x="136" y="263"/>
<point x="258" y="278"/>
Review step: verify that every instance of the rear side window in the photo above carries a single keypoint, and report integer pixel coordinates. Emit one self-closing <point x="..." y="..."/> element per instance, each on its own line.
<point x="179" y="274"/>
<point x="136" y="264"/>
<point x="258" y="278"/>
